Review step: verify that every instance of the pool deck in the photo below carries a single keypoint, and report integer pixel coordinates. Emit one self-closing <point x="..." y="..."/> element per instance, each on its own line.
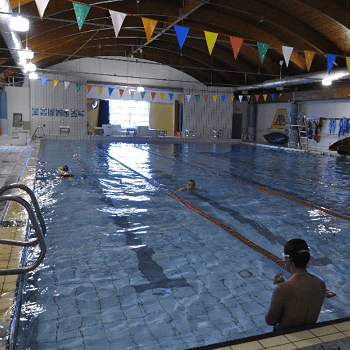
<point x="18" y="165"/>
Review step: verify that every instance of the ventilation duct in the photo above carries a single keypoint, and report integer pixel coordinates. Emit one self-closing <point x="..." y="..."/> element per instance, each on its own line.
<point x="11" y="38"/>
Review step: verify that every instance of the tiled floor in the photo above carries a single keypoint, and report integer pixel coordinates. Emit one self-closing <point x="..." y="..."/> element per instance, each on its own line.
<point x="18" y="164"/>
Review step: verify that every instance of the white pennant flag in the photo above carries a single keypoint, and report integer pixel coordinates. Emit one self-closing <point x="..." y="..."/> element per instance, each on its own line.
<point x="41" y="5"/>
<point x="117" y="20"/>
<point x="66" y="84"/>
<point x="240" y="98"/>
<point x="287" y="51"/>
<point x="188" y="98"/>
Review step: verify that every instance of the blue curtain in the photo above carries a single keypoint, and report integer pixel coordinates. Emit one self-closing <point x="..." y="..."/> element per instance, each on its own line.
<point x="103" y="113"/>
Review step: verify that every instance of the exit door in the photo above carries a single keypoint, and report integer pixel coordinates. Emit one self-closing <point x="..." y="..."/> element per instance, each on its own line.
<point x="237" y="126"/>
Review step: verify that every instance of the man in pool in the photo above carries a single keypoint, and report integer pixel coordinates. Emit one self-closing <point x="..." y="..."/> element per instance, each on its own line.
<point x="191" y="187"/>
<point x="298" y="301"/>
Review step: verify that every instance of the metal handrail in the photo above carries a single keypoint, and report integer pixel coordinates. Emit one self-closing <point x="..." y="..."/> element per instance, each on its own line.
<point x="39" y="127"/>
<point x="32" y="197"/>
<point x="39" y="231"/>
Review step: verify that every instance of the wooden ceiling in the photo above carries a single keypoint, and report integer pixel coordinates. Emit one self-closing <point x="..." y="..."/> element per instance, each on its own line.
<point x="320" y="26"/>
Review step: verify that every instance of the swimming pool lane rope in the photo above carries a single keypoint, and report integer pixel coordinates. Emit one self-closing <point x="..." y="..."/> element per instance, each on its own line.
<point x="258" y="188"/>
<point x="230" y="230"/>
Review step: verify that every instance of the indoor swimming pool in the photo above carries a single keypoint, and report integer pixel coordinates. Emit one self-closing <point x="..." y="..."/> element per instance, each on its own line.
<point x="132" y="263"/>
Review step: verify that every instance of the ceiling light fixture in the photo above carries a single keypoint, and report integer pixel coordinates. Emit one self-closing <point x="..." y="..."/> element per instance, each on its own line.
<point x="33" y="76"/>
<point x="140" y="89"/>
<point x="26" y="54"/>
<point x="30" y="67"/>
<point x="327" y="82"/>
<point x="19" y="23"/>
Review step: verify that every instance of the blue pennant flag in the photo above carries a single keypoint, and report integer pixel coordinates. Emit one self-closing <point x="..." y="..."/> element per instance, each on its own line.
<point x="181" y="33"/>
<point x="110" y="90"/>
<point x="43" y="81"/>
<point x="330" y="61"/>
<point x="171" y="96"/>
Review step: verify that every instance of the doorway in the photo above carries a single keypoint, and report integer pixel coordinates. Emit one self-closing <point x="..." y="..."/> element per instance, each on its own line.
<point x="237" y="126"/>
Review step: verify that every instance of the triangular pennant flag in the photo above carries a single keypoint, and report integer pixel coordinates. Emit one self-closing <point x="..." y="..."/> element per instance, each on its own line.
<point x="121" y="91"/>
<point x="197" y="97"/>
<point x="100" y="89"/>
<point x="223" y="97"/>
<point x="330" y="61"/>
<point x="181" y="33"/>
<point x="348" y="63"/>
<point x="240" y="98"/>
<point x="236" y="44"/>
<point x="78" y="86"/>
<point x="117" y="20"/>
<point x="211" y="40"/>
<point x="206" y="98"/>
<point x="41" y="5"/>
<point x="110" y="90"/>
<point x="55" y="82"/>
<point x="214" y="98"/>
<point x="43" y="81"/>
<point x="188" y="98"/>
<point x="143" y="94"/>
<point x="179" y="96"/>
<point x="272" y="96"/>
<point x="66" y="84"/>
<point x="265" y="96"/>
<point x="171" y="96"/>
<point x="287" y="51"/>
<point x="309" y="56"/>
<point x="262" y="47"/>
<point x="280" y="94"/>
<point x="132" y="92"/>
<point x="257" y="98"/>
<point x="149" y="25"/>
<point x="232" y="97"/>
<point x="162" y="94"/>
<point x="81" y="12"/>
<point x="153" y="94"/>
<point x="88" y="87"/>
<point x="248" y="98"/>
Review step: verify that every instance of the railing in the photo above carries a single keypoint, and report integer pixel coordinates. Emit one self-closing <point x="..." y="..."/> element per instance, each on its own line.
<point x="39" y="127"/>
<point x="217" y="134"/>
<point x="40" y="230"/>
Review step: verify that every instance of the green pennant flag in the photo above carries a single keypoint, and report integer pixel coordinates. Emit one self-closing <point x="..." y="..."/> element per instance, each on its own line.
<point x="262" y="47"/>
<point x="81" y="12"/>
<point x="143" y="94"/>
<point x="197" y="97"/>
<point x="78" y="86"/>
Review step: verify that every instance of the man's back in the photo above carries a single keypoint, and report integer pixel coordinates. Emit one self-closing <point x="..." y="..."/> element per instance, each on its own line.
<point x="296" y="302"/>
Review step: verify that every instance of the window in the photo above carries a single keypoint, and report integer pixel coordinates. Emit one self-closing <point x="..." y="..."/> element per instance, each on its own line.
<point x="129" y="113"/>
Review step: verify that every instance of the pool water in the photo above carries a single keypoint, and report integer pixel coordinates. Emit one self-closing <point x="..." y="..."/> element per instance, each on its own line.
<point x="128" y="266"/>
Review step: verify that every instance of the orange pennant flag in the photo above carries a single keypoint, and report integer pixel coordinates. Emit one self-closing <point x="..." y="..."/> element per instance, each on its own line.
<point x="153" y="95"/>
<point x="211" y="40"/>
<point x="121" y="91"/>
<point x="232" y="98"/>
<point x="89" y="87"/>
<point x="236" y="44"/>
<point x="206" y="98"/>
<point x="55" y="82"/>
<point x="179" y="96"/>
<point x="265" y="96"/>
<point x="100" y="89"/>
<point x="257" y="98"/>
<point x="309" y="56"/>
<point x="149" y="25"/>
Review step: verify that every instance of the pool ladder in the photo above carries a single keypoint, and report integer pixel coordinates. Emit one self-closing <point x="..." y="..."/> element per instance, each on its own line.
<point x="39" y="228"/>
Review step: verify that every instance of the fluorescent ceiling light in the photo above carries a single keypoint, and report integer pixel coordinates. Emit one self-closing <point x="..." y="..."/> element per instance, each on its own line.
<point x="19" y="24"/>
<point x="327" y="82"/>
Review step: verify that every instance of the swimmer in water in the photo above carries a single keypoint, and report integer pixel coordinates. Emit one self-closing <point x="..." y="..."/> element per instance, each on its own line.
<point x="190" y="187"/>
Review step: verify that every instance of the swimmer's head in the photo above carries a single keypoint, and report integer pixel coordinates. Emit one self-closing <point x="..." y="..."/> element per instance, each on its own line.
<point x="298" y="251"/>
<point x="65" y="168"/>
<point x="191" y="185"/>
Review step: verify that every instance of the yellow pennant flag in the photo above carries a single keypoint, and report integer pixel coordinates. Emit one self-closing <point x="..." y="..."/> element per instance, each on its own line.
<point x="309" y="56"/>
<point x="121" y="91"/>
<point x="162" y="95"/>
<point x="232" y="98"/>
<point x="211" y="40"/>
<point x="214" y="98"/>
<point x="265" y="96"/>
<point x="149" y="25"/>
<point x="348" y="63"/>
<point x="100" y="89"/>
<point x="55" y="82"/>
